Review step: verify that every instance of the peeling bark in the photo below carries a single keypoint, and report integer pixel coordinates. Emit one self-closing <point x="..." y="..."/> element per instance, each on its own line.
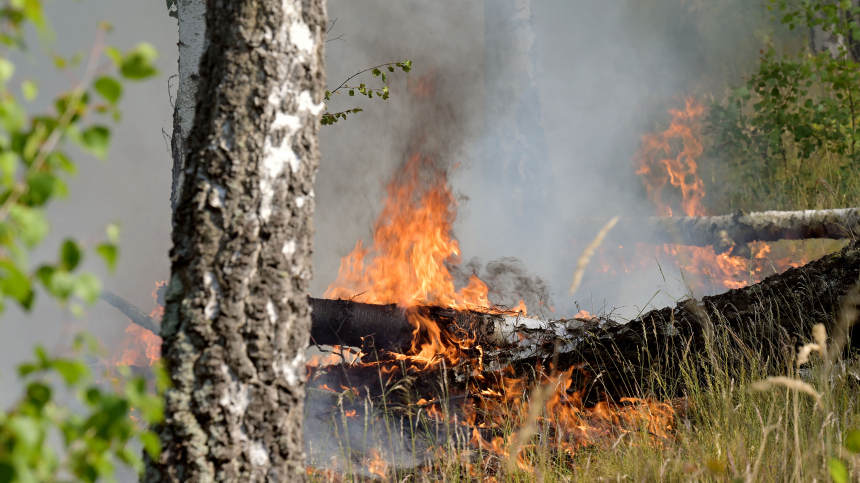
<point x="236" y="321"/>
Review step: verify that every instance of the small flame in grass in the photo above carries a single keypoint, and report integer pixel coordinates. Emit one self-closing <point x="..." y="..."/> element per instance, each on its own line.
<point x="376" y="465"/>
<point x="556" y="409"/>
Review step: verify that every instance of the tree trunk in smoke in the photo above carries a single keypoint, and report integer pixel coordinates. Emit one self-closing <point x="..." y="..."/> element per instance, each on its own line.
<point x="821" y="40"/>
<point x="515" y="155"/>
<point x="192" y="31"/>
<point x="236" y="322"/>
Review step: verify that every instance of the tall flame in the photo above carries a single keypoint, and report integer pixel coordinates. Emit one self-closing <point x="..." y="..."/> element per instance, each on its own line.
<point x="412" y="243"/>
<point x="657" y="165"/>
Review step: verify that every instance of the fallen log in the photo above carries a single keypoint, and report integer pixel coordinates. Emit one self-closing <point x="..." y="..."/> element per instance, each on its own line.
<point x="767" y="319"/>
<point x="764" y="317"/>
<point x="733" y="232"/>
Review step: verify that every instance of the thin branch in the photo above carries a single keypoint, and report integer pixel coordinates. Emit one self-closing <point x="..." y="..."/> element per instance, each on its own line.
<point x="358" y="74"/>
<point x="169" y="95"/>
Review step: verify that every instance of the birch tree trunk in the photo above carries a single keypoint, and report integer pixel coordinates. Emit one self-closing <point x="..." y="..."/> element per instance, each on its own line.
<point x="237" y="322"/>
<point x="192" y="31"/>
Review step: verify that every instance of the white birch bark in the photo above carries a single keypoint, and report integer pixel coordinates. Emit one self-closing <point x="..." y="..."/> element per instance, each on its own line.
<point x="192" y="33"/>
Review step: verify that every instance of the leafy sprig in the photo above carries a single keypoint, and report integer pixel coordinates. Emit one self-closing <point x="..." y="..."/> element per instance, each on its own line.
<point x="363" y="90"/>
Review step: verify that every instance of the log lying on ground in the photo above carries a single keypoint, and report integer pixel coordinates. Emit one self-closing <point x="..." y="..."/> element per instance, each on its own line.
<point x="736" y="230"/>
<point x="765" y="319"/>
<point x="762" y="317"/>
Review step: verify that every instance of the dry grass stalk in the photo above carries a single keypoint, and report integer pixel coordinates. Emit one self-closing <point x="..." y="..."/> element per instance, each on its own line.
<point x="588" y="253"/>
<point x="788" y="382"/>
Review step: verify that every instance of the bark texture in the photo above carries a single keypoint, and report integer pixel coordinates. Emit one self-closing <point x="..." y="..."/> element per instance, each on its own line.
<point x="192" y="32"/>
<point x="237" y="322"/>
<point x="734" y="231"/>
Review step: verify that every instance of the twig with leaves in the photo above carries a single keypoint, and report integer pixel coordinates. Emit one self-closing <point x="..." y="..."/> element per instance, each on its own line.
<point x="382" y="92"/>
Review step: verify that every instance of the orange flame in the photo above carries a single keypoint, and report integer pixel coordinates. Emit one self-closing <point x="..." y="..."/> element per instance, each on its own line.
<point x="655" y="164"/>
<point x="412" y="242"/>
<point x="376" y="465"/>
<point x="141" y="347"/>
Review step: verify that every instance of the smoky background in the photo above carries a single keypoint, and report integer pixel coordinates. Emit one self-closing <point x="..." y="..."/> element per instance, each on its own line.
<point x="596" y="75"/>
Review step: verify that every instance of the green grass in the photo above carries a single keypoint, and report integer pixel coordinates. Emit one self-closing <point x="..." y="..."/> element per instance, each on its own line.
<point x="823" y="181"/>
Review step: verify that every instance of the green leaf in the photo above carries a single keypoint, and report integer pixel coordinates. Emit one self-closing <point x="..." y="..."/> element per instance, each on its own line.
<point x="7" y="70"/>
<point x="113" y="233"/>
<point x="70" y="254"/>
<point x="40" y="188"/>
<point x="61" y="284"/>
<point x="71" y="371"/>
<point x="852" y="441"/>
<point x="376" y="72"/>
<point x="31" y="223"/>
<point x="115" y="55"/>
<point x="351" y="92"/>
<point x="151" y="443"/>
<point x="26" y="429"/>
<point x="88" y="288"/>
<point x="30" y="89"/>
<point x="383" y="77"/>
<point x="96" y="140"/>
<point x="838" y="471"/>
<point x="8" y="166"/>
<point x="15" y="284"/>
<point x="109" y="253"/>
<point x="137" y="64"/>
<point x="109" y="88"/>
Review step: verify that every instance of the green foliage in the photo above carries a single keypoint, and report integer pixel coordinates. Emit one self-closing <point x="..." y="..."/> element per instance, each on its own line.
<point x="797" y="110"/>
<point x="838" y="470"/>
<point x="98" y="433"/>
<point x="93" y="440"/>
<point x="363" y="90"/>
<point x="33" y="163"/>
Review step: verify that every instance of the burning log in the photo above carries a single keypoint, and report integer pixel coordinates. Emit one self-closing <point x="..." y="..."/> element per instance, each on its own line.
<point x="783" y="305"/>
<point x="733" y="232"/>
<point x="621" y="355"/>
<point x="131" y="311"/>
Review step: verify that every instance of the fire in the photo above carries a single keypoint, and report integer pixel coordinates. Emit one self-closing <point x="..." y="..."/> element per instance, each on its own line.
<point x="408" y="264"/>
<point x="557" y="409"/>
<point x="670" y="158"/>
<point x="141" y="347"/>
<point x="376" y="465"/>
<point x="412" y="243"/>
<point x="658" y="166"/>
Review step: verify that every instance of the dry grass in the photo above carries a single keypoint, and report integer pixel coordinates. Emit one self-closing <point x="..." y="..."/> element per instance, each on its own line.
<point x="746" y="416"/>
